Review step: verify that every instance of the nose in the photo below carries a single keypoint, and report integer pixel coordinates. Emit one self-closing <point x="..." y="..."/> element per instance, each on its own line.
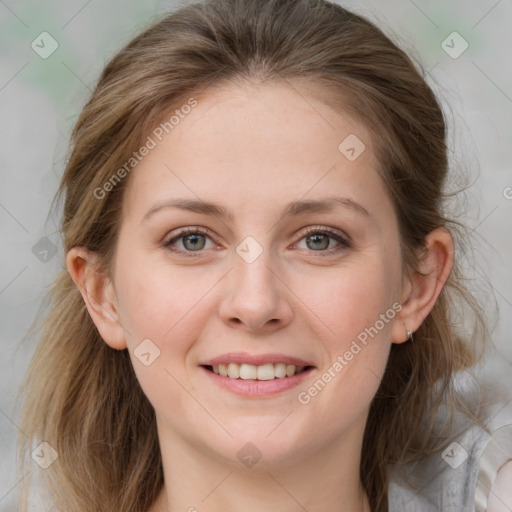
<point x="255" y="297"/>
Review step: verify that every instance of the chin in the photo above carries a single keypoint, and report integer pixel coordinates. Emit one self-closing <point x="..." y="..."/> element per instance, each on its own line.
<point x="265" y="444"/>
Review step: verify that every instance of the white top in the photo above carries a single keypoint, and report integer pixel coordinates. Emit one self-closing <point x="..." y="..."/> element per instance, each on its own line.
<point x="458" y="480"/>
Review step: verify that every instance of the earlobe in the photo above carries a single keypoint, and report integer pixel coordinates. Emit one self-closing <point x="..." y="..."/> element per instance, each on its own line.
<point x="98" y="293"/>
<point x="422" y="288"/>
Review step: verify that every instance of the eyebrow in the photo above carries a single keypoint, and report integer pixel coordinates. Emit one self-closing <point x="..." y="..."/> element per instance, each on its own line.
<point x="295" y="208"/>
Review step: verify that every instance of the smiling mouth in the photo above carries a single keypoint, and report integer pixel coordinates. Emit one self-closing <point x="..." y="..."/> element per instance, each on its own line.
<point x="253" y="372"/>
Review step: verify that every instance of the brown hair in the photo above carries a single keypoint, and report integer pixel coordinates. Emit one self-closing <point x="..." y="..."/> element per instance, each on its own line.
<point x="81" y="396"/>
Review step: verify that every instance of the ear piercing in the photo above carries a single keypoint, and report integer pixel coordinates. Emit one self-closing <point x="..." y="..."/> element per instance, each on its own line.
<point x="409" y="335"/>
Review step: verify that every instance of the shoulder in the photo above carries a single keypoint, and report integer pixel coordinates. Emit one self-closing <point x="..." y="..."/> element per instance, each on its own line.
<point x="500" y="496"/>
<point x="494" y="486"/>
<point x="460" y="478"/>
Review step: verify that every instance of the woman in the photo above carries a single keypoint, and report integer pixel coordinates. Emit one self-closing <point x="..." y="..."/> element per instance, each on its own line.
<point x="256" y="309"/>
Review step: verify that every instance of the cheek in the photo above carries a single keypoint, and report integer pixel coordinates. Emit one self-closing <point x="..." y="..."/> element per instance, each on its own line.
<point x="356" y="307"/>
<point x="167" y="310"/>
<point x="349" y="300"/>
<point x="356" y="324"/>
<point x="164" y="304"/>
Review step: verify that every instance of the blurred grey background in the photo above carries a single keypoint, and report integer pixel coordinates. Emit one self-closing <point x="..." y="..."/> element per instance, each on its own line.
<point x="51" y="55"/>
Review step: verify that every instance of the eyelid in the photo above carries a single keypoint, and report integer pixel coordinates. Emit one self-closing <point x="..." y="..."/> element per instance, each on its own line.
<point x="189" y="230"/>
<point x="344" y="241"/>
<point x="324" y="229"/>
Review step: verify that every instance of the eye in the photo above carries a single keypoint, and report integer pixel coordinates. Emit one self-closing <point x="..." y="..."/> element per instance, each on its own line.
<point x="192" y="240"/>
<point x="319" y="240"/>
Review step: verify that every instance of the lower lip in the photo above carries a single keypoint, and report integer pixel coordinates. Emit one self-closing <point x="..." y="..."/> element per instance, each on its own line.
<point x="258" y="388"/>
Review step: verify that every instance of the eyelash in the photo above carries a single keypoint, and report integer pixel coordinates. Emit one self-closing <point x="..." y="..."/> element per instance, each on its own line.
<point x="344" y="243"/>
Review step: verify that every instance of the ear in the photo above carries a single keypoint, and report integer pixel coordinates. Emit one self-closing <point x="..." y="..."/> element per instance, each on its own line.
<point x="423" y="286"/>
<point x="98" y="293"/>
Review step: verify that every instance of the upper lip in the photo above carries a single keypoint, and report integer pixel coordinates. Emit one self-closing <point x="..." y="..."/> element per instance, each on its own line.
<point x="255" y="359"/>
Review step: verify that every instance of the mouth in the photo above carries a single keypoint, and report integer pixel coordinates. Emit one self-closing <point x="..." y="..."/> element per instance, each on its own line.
<point x="264" y="372"/>
<point x="256" y="376"/>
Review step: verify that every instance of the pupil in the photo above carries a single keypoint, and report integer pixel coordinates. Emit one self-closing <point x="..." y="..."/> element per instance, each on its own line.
<point x="194" y="243"/>
<point x="322" y="238"/>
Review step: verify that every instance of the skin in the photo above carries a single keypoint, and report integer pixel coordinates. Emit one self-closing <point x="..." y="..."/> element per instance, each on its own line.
<point x="290" y="300"/>
<point x="500" y="495"/>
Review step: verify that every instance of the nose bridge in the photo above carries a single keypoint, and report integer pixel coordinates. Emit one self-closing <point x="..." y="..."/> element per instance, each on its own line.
<point x="253" y="274"/>
<point x="257" y="296"/>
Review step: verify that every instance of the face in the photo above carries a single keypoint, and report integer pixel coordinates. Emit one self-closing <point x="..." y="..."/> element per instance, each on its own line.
<point x="299" y="271"/>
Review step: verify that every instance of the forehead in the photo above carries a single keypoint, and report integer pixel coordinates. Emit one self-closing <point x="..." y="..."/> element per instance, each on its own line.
<point x="257" y="143"/>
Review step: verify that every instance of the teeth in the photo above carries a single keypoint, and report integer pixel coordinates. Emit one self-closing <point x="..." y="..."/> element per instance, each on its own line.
<point x="280" y="370"/>
<point x="233" y="371"/>
<point x="266" y="372"/>
<point x="250" y="371"/>
<point x="247" y="371"/>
